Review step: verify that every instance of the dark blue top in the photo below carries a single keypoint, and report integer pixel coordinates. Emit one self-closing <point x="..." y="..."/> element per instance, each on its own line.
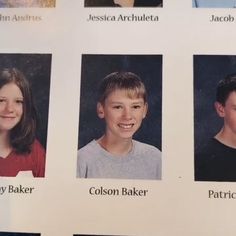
<point x="215" y="162"/>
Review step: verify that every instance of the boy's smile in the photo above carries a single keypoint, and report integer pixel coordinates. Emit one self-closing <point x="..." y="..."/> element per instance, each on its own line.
<point x="123" y="114"/>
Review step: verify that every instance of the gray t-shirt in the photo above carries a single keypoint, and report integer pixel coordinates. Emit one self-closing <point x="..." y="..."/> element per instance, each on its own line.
<point x="142" y="162"/>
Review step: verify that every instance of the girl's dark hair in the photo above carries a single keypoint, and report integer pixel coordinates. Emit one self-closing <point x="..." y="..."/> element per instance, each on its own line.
<point x="23" y="134"/>
<point x="99" y="3"/>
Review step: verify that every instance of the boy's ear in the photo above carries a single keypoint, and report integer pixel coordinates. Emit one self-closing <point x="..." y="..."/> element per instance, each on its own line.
<point x="220" y="109"/>
<point x="145" y="110"/>
<point x="100" y="110"/>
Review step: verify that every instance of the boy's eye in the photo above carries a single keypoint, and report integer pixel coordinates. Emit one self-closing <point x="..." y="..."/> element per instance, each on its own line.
<point x="117" y="107"/>
<point x="136" y="106"/>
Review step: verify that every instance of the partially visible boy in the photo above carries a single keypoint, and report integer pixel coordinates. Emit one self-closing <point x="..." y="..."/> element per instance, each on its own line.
<point x="122" y="103"/>
<point x="217" y="160"/>
<point x="214" y="3"/>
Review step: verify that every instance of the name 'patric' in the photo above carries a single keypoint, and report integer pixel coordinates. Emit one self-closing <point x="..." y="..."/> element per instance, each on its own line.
<point x="131" y="17"/>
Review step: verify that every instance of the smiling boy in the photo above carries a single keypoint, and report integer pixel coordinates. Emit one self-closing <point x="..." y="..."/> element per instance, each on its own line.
<point x="217" y="160"/>
<point x="214" y="3"/>
<point x="123" y="105"/>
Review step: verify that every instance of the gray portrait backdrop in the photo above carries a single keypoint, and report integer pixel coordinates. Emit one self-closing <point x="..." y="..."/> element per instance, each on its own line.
<point x="208" y="71"/>
<point x="37" y="69"/>
<point x="95" y="68"/>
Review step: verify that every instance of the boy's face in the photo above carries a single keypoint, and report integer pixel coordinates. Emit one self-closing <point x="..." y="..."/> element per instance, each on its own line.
<point x="228" y="112"/>
<point x="123" y="115"/>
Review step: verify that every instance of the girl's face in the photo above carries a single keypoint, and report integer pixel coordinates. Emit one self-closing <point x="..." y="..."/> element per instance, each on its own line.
<point x="125" y="3"/>
<point x="11" y="106"/>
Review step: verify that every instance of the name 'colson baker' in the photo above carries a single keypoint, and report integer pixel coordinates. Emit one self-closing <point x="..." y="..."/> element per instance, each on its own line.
<point x="116" y="192"/>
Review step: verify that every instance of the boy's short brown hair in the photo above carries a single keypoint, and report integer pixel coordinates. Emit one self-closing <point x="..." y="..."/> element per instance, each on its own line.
<point x="127" y="81"/>
<point x="225" y="87"/>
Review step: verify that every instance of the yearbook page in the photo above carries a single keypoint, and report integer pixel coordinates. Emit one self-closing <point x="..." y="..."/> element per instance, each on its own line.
<point x="117" y="117"/>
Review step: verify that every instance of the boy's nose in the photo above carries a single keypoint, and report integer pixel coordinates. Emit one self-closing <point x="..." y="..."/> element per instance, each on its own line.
<point x="127" y="114"/>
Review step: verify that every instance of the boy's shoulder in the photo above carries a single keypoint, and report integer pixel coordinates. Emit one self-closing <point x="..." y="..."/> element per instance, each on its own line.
<point x="89" y="148"/>
<point x="146" y="149"/>
<point x="91" y="152"/>
<point x="214" y="147"/>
